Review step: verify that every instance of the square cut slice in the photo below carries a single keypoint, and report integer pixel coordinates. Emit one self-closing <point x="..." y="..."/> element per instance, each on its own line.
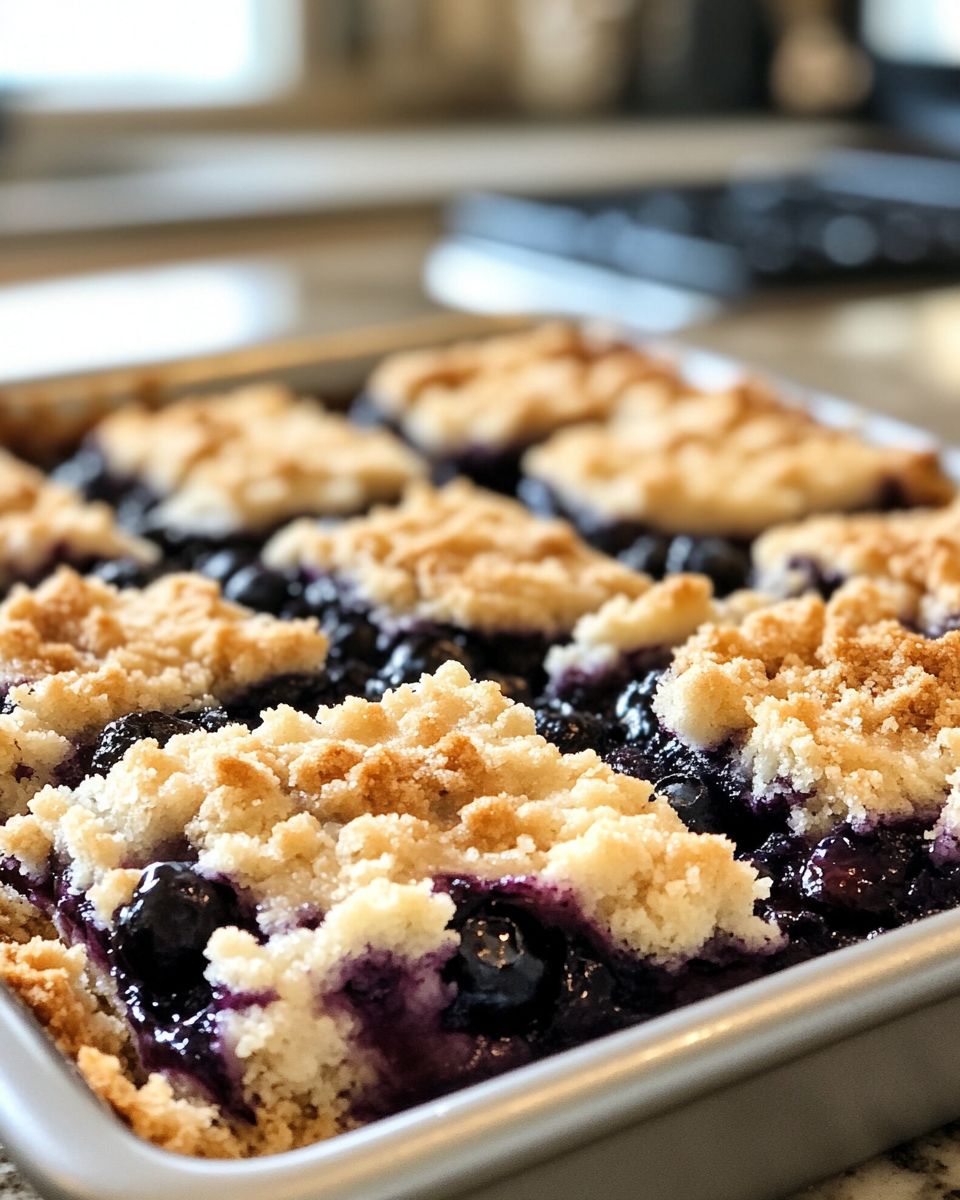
<point x="43" y="524"/>
<point x="367" y="909"/>
<point x="451" y="572"/>
<point x="685" y="484"/>
<point x="77" y="656"/>
<point x="236" y="466"/>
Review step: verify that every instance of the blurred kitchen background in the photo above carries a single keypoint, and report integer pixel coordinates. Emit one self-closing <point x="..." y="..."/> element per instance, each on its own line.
<point x="775" y="179"/>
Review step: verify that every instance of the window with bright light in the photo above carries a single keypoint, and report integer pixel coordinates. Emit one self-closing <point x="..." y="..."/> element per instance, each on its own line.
<point x="145" y="53"/>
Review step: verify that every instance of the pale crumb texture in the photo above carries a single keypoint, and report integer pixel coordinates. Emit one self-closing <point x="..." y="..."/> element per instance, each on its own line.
<point x="662" y="617"/>
<point x="920" y="548"/>
<point x="350" y="817"/>
<point x="838" y="701"/>
<point x="42" y="522"/>
<point x="729" y="463"/>
<point x="510" y="390"/>
<point x="77" y="653"/>
<point x="253" y="458"/>
<point x="462" y="555"/>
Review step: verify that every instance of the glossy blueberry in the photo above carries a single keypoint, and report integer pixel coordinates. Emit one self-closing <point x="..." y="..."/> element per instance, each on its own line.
<point x="690" y="798"/>
<point x="222" y="564"/>
<point x="569" y="729"/>
<point x="118" y="736"/>
<point x="351" y="636"/>
<point x="86" y="471"/>
<point x="420" y="654"/>
<point x="647" y="554"/>
<point x="506" y="970"/>
<point x="634" y="708"/>
<point x="725" y="562"/>
<point x="321" y="594"/>
<point x="208" y="719"/>
<point x="161" y="934"/>
<point x="862" y="872"/>
<point x="303" y="692"/>
<point x="123" y="572"/>
<point x="257" y="587"/>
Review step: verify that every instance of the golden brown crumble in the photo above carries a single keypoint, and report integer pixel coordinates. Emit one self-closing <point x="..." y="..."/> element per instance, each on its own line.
<point x="253" y="458"/>
<point x="839" y="701"/>
<point x="662" y="617"/>
<point x="731" y="463"/>
<point x="42" y="521"/>
<point x="77" y="653"/>
<point x="463" y="555"/>
<point x="920" y="548"/>
<point x="512" y="389"/>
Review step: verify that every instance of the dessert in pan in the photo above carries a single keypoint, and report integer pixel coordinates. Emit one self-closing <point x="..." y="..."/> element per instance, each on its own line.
<point x="466" y="791"/>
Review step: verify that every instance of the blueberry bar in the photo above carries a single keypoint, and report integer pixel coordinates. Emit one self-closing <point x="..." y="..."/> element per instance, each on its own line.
<point x="86" y="669"/>
<point x="215" y="474"/>
<point x="474" y="407"/>
<point x="43" y="524"/>
<point x="456" y="572"/>
<point x="919" y="550"/>
<point x="281" y="933"/>
<point x="824" y="736"/>
<point x="685" y="484"/>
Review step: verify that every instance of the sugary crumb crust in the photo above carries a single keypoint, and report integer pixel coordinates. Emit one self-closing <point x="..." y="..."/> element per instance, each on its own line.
<point x="351" y="817"/>
<point x="510" y="390"/>
<point x="662" y="617"/>
<point x="76" y="653"/>
<point x="920" y="549"/>
<point x="836" y="705"/>
<point x="462" y="555"/>
<point x="730" y="463"/>
<point x="41" y="522"/>
<point x="253" y="458"/>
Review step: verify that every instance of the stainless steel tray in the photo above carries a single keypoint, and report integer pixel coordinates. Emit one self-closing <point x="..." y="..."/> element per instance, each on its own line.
<point x="748" y="1095"/>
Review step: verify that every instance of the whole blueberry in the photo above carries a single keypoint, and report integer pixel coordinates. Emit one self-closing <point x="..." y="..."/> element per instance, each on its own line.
<point x="118" y="736"/>
<point x="421" y="654"/>
<point x="634" y="708"/>
<point x="321" y="594"/>
<point x="257" y="587"/>
<point x="568" y="729"/>
<point x="506" y="970"/>
<point x="123" y="572"/>
<point x="724" y="561"/>
<point x="161" y="934"/>
<point x="351" y="636"/>
<point x="647" y="554"/>
<point x="86" y="471"/>
<point x="690" y="798"/>
<point x="861" y="872"/>
<point x="221" y="564"/>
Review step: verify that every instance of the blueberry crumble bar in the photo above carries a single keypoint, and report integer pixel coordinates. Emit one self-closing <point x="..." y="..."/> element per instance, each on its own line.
<point x="824" y="736"/>
<point x="685" y="484"/>
<point x="918" y="549"/>
<point x="450" y="573"/>
<point x="87" y="669"/>
<point x="474" y="407"/>
<point x="209" y="475"/>
<point x="43" y="524"/>
<point x="280" y="933"/>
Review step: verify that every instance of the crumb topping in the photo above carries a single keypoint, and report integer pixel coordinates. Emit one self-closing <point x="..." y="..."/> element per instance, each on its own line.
<point x="731" y="463"/>
<point x="664" y="616"/>
<point x="440" y="778"/>
<point x="856" y="715"/>
<point x="463" y="555"/>
<point x="509" y="390"/>
<point x="253" y="458"/>
<point x="76" y="653"/>
<point x="920" y="549"/>
<point x="41" y="522"/>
